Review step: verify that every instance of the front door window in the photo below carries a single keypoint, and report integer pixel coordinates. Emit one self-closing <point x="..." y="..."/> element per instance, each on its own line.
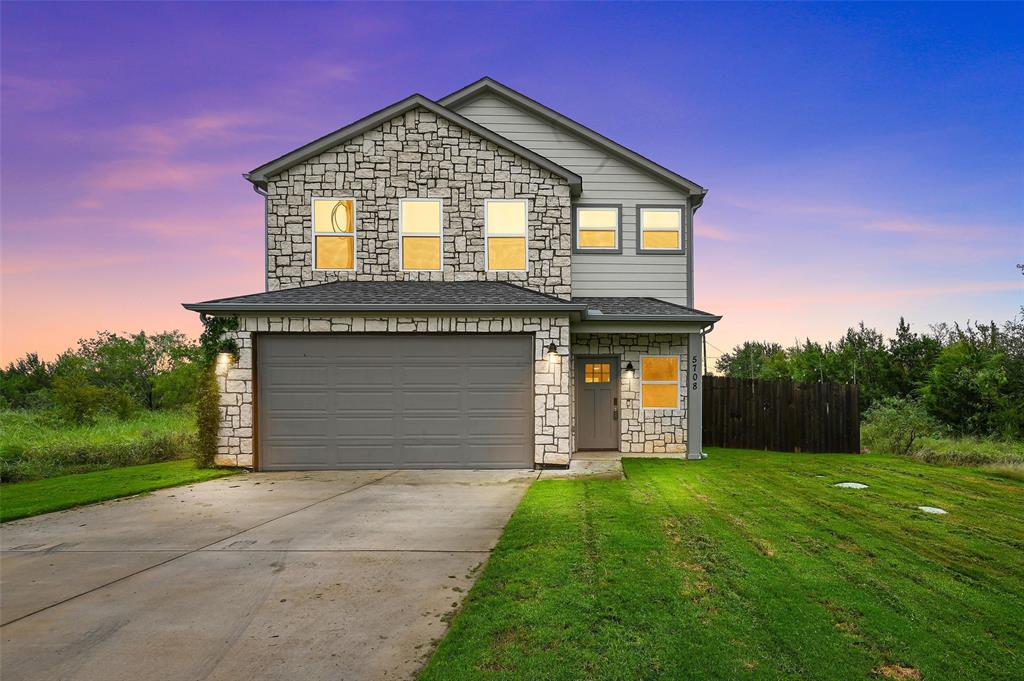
<point x="597" y="372"/>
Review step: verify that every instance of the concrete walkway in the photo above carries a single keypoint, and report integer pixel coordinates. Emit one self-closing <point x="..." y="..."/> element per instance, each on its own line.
<point x="339" y="575"/>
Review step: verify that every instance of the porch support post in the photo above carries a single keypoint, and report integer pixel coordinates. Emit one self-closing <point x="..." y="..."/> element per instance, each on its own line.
<point x="694" y="397"/>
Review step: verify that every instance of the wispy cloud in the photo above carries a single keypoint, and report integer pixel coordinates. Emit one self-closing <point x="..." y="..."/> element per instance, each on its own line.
<point x="715" y="233"/>
<point x="36" y="94"/>
<point x="156" y="173"/>
<point x="221" y="129"/>
<point x="64" y="262"/>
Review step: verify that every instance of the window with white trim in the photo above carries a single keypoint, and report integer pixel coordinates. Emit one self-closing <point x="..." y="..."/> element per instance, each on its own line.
<point x="420" y="234"/>
<point x="659" y="382"/>
<point x="597" y="228"/>
<point x="661" y="228"/>
<point x="506" y="231"/>
<point x="334" y="233"/>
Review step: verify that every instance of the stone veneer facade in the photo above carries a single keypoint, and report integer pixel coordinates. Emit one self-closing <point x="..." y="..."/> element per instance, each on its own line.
<point x="418" y="155"/>
<point x="643" y="430"/>
<point x="551" y="381"/>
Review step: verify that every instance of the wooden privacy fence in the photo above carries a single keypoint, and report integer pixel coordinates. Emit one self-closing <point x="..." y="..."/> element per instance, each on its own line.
<point x="781" y="416"/>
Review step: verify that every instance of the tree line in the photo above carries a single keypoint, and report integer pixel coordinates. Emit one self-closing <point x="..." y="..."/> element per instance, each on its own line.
<point x="968" y="378"/>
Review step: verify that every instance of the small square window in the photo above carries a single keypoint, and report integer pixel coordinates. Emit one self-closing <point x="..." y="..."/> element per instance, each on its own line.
<point x="598" y="228"/>
<point x="659" y="229"/>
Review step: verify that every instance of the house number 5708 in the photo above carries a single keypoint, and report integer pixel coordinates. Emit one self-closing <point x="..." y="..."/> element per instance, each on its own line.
<point x="695" y="372"/>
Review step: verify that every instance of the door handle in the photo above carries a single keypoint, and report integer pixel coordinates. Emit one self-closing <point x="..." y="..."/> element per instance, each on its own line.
<point x="615" y="414"/>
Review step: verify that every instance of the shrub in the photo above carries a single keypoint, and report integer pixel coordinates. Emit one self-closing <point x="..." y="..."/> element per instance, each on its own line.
<point x="207" y="418"/>
<point x="177" y="388"/>
<point x="75" y="399"/>
<point x="893" y="425"/>
<point x="120" y="402"/>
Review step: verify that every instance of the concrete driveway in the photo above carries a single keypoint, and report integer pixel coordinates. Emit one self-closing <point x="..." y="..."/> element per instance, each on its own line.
<point x="338" y="575"/>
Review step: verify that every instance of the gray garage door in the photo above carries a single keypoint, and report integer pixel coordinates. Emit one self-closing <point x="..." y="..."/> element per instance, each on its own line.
<point x="396" y="401"/>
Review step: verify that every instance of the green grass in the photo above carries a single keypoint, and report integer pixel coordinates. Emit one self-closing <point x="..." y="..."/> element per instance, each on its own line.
<point x="23" y="499"/>
<point x="750" y="565"/>
<point x="35" y="445"/>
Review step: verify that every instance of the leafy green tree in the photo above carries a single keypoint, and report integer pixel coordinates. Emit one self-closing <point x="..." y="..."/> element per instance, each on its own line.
<point x="963" y="389"/>
<point x="133" y="361"/>
<point x="912" y="356"/>
<point x="748" y="360"/>
<point x="177" y="387"/>
<point x="25" y="383"/>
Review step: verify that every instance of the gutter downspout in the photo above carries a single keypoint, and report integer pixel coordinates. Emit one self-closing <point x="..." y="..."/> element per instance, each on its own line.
<point x="266" y="235"/>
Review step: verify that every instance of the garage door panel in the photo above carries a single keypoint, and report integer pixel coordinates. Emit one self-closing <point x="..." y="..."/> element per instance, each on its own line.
<point x="387" y="401"/>
<point x="483" y="425"/>
<point x="364" y="400"/>
<point x="363" y="375"/>
<point x="295" y="402"/>
<point x="366" y="425"/>
<point x="297" y="426"/>
<point x="498" y="399"/>
<point x="295" y="375"/>
<point x="414" y="400"/>
<point x="432" y="425"/>
<point x="494" y="375"/>
<point x="314" y="456"/>
<point x="428" y="375"/>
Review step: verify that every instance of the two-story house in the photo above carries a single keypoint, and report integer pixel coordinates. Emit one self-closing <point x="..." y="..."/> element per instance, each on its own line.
<point x="473" y="282"/>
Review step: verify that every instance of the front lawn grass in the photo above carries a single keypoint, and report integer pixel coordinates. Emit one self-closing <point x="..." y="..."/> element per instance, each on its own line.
<point x="750" y="565"/>
<point x="23" y="499"/>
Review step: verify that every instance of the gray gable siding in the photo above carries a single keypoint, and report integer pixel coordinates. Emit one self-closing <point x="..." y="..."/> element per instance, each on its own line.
<point x="606" y="179"/>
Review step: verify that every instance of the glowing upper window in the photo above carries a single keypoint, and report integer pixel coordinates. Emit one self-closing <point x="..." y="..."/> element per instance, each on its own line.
<point x="420" y="233"/>
<point x="506" y="231"/>
<point x="334" y="233"/>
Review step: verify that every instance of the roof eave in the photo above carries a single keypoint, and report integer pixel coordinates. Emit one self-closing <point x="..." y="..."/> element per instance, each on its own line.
<point x="269" y="308"/>
<point x="710" y="319"/>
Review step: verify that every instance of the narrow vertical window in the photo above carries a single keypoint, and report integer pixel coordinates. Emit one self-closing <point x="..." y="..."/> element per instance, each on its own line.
<point x="334" y="233"/>
<point x="660" y="229"/>
<point x="598" y="228"/>
<point x="506" y="230"/>
<point x="420" y="232"/>
<point x="659" y="382"/>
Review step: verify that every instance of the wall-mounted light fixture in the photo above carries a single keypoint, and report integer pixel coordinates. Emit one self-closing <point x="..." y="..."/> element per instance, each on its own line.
<point x="630" y="370"/>
<point x="552" y="352"/>
<point x="224" y="360"/>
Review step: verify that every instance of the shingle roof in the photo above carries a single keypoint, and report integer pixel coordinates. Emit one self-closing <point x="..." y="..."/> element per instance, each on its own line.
<point x="492" y="296"/>
<point x="638" y="308"/>
<point x="392" y="295"/>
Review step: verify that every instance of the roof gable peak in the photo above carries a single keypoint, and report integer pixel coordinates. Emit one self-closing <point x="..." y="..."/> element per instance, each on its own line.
<point x="488" y="85"/>
<point x="260" y="175"/>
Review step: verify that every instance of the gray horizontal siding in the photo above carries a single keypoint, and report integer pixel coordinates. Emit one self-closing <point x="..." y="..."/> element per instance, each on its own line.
<point x="606" y="179"/>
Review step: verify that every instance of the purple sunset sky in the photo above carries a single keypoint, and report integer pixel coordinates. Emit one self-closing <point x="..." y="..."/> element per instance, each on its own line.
<point x="864" y="162"/>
